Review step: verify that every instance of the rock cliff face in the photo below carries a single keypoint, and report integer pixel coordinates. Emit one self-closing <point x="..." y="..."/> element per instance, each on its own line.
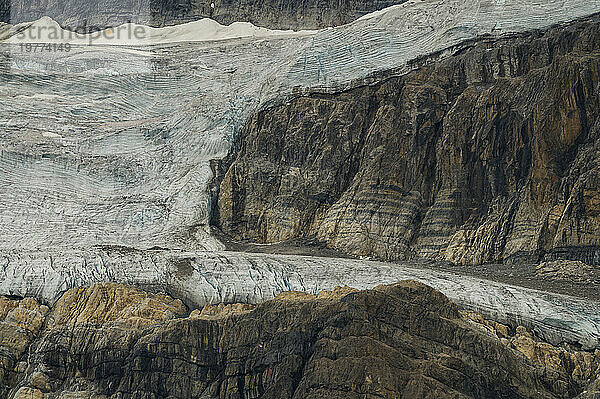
<point x="281" y="14"/>
<point x="490" y="155"/>
<point x="402" y="340"/>
<point x="5" y="11"/>
<point x="582" y="366"/>
<point x="20" y="322"/>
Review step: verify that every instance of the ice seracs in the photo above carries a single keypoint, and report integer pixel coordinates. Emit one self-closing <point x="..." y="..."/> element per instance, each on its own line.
<point x="199" y="278"/>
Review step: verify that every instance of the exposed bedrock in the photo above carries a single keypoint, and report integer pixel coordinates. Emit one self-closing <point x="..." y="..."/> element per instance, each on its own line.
<point x="402" y="340"/>
<point x="491" y="155"/>
<point x="280" y="14"/>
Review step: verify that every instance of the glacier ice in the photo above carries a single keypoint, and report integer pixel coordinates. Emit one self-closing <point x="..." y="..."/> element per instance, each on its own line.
<point x="46" y="30"/>
<point x="215" y="277"/>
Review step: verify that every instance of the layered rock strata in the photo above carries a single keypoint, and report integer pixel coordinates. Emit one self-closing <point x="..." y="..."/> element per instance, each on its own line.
<point x="402" y="340"/>
<point x="490" y="155"/>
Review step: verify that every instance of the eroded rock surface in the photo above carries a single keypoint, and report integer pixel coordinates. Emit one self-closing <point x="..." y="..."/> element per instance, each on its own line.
<point x="94" y="325"/>
<point x="583" y="367"/>
<point x="401" y="340"/>
<point x="488" y="156"/>
<point x="20" y="322"/>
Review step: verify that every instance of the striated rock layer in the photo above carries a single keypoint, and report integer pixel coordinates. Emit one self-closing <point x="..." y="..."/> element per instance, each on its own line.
<point x="285" y="14"/>
<point x="490" y="155"/>
<point x="401" y="340"/>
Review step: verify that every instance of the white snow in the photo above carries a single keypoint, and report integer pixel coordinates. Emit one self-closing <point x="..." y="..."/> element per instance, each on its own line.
<point x="51" y="135"/>
<point x="46" y="30"/>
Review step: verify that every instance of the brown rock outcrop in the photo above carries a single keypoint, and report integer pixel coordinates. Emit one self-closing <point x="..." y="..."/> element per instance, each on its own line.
<point x="583" y="367"/>
<point x="490" y="155"/>
<point x="402" y="340"/>
<point x="20" y="322"/>
<point x="86" y="324"/>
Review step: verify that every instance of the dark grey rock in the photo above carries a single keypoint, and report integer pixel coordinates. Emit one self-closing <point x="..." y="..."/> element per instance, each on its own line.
<point x="83" y="15"/>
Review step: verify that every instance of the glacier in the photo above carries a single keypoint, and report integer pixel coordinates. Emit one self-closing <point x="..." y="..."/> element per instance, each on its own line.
<point x="109" y="145"/>
<point x="199" y="278"/>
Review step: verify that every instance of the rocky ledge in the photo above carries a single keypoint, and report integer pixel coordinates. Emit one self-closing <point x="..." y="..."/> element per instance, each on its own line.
<point x="400" y="340"/>
<point x="488" y="156"/>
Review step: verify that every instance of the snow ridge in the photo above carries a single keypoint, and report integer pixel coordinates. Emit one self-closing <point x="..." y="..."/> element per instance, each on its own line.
<point x="46" y="30"/>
